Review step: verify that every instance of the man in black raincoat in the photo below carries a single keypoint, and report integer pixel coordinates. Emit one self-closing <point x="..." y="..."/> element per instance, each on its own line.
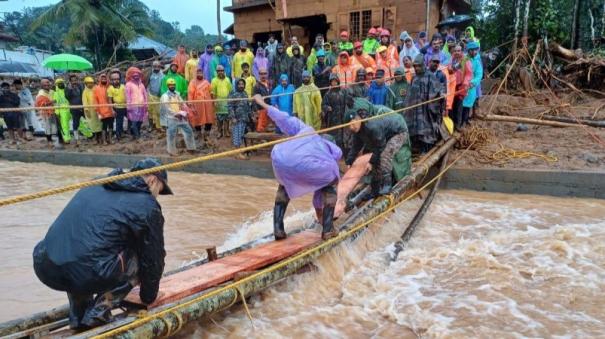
<point x="107" y="240"/>
<point x="334" y="107"/>
<point x="298" y="63"/>
<point x="280" y="64"/>
<point x="360" y="89"/>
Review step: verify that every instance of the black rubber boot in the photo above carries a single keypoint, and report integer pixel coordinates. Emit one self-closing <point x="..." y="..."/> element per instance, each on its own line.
<point x="386" y="185"/>
<point x="328" y="230"/>
<point x="77" y="307"/>
<point x="100" y="313"/>
<point x="279" y="211"/>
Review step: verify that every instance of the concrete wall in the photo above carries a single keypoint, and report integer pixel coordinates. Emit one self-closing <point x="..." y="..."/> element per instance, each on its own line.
<point x="542" y="182"/>
<point x="256" y="168"/>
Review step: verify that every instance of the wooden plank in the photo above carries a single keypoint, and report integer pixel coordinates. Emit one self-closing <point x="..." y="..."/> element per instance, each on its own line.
<point x="197" y="279"/>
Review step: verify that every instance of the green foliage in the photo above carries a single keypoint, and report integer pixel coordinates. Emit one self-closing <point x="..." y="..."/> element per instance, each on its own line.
<point x="98" y="29"/>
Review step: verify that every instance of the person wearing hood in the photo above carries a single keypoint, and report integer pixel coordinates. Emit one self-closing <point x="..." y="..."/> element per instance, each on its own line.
<point x="421" y="41"/>
<point x="221" y="88"/>
<point x="175" y="111"/>
<point x="334" y="106"/>
<point x="408" y="68"/>
<point x="321" y="72"/>
<point x="107" y="240"/>
<point x="424" y="121"/>
<point x="201" y="115"/>
<point x="361" y="58"/>
<point x="345" y="44"/>
<point x="62" y="111"/>
<point x="359" y="89"/>
<point x="387" y="59"/>
<point x="180" y="59"/>
<point x="279" y="65"/>
<point x="181" y="83"/>
<point x="450" y="42"/>
<point x="387" y="139"/>
<point x="298" y="64"/>
<point x="192" y="64"/>
<point x="397" y="91"/>
<point x="271" y="48"/>
<point x="136" y="100"/>
<point x="307" y="102"/>
<point x="105" y="113"/>
<point x="260" y="61"/>
<point x="331" y="53"/>
<point x="408" y="48"/>
<point x="378" y="89"/>
<point x="475" y="84"/>
<point x="240" y="112"/>
<point x="370" y="44"/>
<point x="204" y="63"/>
<point x="345" y="69"/>
<point x="469" y="36"/>
<point x="294" y="42"/>
<point x="302" y="166"/>
<point x="282" y="96"/>
<point x="385" y="63"/>
<point x="218" y="58"/>
<point x="243" y="56"/>
<point x="89" y="112"/>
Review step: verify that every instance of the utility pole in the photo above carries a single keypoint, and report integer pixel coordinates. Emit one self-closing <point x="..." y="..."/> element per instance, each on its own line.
<point x="218" y="20"/>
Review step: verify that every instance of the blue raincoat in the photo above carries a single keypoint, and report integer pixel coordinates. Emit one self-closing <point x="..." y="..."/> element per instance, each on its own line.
<point x="378" y="94"/>
<point x="283" y="102"/>
<point x="306" y="164"/>
<point x="474" y="92"/>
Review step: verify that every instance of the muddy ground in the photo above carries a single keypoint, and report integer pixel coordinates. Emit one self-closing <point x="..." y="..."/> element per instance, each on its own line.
<point x="551" y="148"/>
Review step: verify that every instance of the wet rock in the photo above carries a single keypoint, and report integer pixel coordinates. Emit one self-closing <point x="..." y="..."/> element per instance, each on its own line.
<point x="590" y="158"/>
<point x="522" y="128"/>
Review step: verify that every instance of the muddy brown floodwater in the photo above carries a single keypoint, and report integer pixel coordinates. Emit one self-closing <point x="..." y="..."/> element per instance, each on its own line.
<point x="479" y="265"/>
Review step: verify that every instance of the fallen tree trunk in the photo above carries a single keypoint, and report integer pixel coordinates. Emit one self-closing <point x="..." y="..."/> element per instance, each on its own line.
<point x="494" y="117"/>
<point x="594" y="123"/>
<point x="565" y="53"/>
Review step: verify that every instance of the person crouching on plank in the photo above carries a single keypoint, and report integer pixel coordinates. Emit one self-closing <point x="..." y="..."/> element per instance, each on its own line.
<point x="387" y="139"/>
<point x="301" y="166"/>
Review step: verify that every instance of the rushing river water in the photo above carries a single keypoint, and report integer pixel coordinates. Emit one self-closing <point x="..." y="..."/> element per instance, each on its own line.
<point x="479" y="265"/>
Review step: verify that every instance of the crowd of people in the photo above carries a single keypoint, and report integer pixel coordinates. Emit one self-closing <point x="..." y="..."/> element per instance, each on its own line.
<point x="207" y="95"/>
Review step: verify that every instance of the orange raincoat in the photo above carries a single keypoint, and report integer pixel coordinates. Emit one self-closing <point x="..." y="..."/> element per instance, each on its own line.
<point x="201" y="112"/>
<point x="346" y="71"/>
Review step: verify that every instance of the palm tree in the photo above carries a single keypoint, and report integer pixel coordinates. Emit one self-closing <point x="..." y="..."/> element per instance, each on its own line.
<point x="100" y="25"/>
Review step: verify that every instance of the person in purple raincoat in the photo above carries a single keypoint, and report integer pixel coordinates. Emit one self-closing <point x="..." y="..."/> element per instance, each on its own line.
<point x="260" y="62"/>
<point x="301" y="166"/>
<point x="204" y="63"/>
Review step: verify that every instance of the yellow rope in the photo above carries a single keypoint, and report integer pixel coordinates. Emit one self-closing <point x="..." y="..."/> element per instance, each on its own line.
<point x="308" y="252"/>
<point x="179" y="164"/>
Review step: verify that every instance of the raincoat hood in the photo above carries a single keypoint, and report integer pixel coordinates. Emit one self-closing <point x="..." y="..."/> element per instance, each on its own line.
<point x="260" y="52"/>
<point x="284" y="77"/>
<point x="362" y="103"/>
<point x="136" y="184"/>
<point x="348" y="62"/>
<point x="472" y="31"/>
<point x="132" y="71"/>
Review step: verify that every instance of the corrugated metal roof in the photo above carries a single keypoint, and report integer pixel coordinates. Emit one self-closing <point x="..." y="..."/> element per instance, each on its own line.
<point x="145" y="43"/>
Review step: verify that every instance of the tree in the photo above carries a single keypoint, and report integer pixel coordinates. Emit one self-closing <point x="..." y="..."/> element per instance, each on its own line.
<point x="104" y="27"/>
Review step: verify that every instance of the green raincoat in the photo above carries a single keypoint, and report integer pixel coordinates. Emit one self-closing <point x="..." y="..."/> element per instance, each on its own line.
<point x="63" y="113"/>
<point x="181" y="84"/>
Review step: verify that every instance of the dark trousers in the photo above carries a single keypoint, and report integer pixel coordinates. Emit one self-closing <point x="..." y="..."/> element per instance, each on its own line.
<point x="107" y="124"/>
<point x="76" y="114"/>
<point x="120" y="116"/>
<point x="457" y="112"/>
<point x="135" y="129"/>
<point x="90" y="301"/>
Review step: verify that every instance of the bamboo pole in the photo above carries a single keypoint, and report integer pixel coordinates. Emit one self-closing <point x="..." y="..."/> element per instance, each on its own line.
<point x="593" y="123"/>
<point x="504" y="118"/>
